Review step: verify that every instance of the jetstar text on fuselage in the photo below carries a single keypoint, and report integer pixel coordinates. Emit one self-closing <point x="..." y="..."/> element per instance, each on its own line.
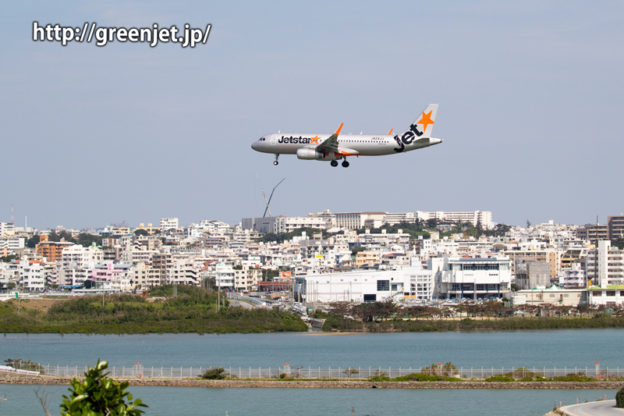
<point x="296" y="140"/>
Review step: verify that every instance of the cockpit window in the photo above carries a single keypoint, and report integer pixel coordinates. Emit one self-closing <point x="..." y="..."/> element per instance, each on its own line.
<point x="261" y="139"/>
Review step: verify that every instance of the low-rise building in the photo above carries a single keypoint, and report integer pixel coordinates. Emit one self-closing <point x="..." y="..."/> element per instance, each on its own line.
<point x="610" y="296"/>
<point x="359" y="286"/>
<point x="552" y="296"/>
<point x="475" y="278"/>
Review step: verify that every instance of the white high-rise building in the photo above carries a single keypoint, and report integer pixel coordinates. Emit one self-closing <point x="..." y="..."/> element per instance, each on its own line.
<point x="605" y="265"/>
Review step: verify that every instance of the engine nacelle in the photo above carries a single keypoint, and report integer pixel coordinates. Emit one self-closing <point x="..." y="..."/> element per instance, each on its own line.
<point x="308" y="153"/>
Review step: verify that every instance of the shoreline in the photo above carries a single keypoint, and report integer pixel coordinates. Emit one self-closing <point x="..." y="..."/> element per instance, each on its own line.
<point x="327" y="384"/>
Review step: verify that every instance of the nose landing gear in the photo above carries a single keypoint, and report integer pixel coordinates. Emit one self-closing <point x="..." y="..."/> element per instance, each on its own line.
<point x="276" y="162"/>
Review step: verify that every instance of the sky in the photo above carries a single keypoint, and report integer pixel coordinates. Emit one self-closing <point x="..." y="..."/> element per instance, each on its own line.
<point x="531" y="95"/>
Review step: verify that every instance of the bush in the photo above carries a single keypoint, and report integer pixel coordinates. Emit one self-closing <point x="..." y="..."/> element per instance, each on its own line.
<point x="573" y="377"/>
<point x="20" y="364"/>
<point x="213" y="374"/>
<point x="98" y="394"/>
<point x="619" y="398"/>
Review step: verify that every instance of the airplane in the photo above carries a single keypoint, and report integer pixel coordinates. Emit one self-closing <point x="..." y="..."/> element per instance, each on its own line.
<point x="333" y="147"/>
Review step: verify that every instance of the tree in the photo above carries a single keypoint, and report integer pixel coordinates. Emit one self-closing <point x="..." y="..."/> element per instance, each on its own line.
<point x="98" y="394"/>
<point x="85" y="239"/>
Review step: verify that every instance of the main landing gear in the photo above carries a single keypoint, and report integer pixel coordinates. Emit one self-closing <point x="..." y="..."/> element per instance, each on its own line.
<point x="276" y="162"/>
<point x="334" y="163"/>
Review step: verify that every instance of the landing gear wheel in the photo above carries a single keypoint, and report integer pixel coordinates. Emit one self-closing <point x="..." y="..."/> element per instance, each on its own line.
<point x="276" y="163"/>
<point x="334" y="163"/>
<point x="345" y="164"/>
<point x="276" y="157"/>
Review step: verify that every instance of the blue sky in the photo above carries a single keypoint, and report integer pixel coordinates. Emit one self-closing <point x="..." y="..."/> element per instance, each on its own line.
<point x="531" y="94"/>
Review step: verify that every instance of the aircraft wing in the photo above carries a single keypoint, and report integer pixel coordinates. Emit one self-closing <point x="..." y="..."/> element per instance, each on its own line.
<point x="330" y="145"/>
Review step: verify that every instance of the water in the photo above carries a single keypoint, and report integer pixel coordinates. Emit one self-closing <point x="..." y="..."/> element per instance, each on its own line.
<point x="165" y="401"/>
<point x="563" y="348"/>
<point x="566" y="348"/>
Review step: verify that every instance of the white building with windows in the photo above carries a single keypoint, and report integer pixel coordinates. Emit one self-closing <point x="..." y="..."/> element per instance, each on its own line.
<point x="475" y="278"/>
<point x="484" y="218"/>
<point x="167" y="224"/>
<point x="224" y="276"/>
<point x="573" y="277"/>
<point x="12" y="243"/>
<point x="612" y="296"/>
<point x="32" y="275"/>
<point x="282" y="224"/>
<point x="7" y="229"/>
<point x="405" y="284"/>
<point x="605" y="265"/>
<point x="76" y="264"/>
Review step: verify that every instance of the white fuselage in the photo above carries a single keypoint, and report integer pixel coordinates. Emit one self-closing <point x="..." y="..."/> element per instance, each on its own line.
<point x="348" y="144"/>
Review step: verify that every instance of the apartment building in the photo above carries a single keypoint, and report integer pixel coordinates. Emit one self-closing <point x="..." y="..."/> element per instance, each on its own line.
<point x="32" y="276"/>
<point x="550" y="256"/>
<point x="573" y="277"/>
<point x="615" y="224"/>
<point x="52" y="251"/>
<point x="7" y="229"/>
<point x="605" y="265"/>
<point x="12" y="243"/>
<point x="593" y="232"/>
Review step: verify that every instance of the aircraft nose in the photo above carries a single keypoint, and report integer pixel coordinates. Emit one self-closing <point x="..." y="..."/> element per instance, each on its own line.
<point x="254" y="145"/>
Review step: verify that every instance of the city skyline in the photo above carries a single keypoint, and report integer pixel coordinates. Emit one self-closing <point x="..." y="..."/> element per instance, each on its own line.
<point x="529" y="100"/>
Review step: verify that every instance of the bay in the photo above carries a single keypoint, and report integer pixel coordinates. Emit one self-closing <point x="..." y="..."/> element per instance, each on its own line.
<point x="560" y="348"/>
<point x="162" y="401"/>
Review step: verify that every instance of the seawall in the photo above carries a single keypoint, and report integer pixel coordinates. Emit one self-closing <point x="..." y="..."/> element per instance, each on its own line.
<point x="326" y="384"/>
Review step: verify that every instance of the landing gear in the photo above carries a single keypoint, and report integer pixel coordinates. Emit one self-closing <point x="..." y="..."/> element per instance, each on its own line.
<point x="334" y="163"/>
<point x="345" y="164"/>
<point x="276" y="162"/>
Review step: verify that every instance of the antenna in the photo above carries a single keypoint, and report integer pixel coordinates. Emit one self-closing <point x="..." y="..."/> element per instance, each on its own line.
<point x="267" y="202"/>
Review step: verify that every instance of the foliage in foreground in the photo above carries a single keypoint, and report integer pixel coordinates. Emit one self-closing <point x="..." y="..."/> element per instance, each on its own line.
<point x="619" y="398"/>
<point x="98" y="395"/>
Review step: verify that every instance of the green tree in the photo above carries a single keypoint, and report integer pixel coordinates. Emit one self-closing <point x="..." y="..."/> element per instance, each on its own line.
<point x="85" y="239"/>
<point x="98" y="395"/>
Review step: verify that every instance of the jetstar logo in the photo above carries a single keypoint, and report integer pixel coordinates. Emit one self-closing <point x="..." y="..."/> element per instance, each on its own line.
<point x="408" y="137"/>
<point x="298" y="140"/>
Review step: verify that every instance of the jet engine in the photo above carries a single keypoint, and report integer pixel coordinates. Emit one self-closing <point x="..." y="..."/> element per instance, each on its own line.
<point x="308" y="153"/>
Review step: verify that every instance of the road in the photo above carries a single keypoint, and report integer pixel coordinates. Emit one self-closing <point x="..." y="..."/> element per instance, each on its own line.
<point x="601" y="408"/>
